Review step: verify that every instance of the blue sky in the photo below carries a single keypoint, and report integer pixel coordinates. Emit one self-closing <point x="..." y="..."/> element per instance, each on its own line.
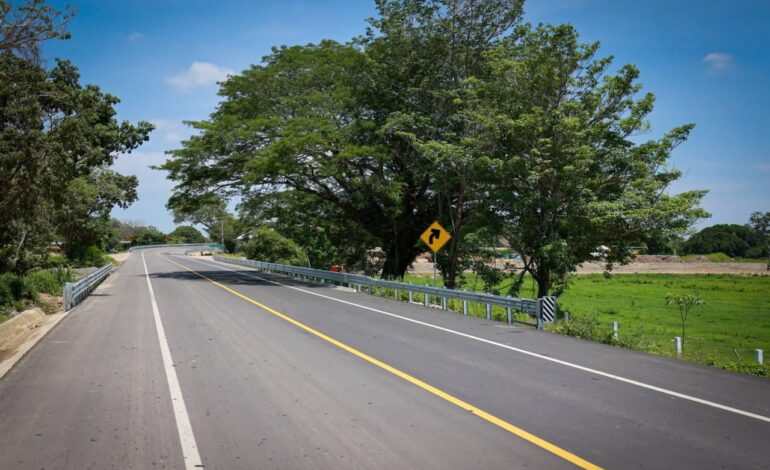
<point x="707" y="62"/>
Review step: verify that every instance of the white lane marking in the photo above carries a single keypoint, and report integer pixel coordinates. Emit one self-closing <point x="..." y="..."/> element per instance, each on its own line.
<point x="192" y="458"/>
<point x="512" y="348"/>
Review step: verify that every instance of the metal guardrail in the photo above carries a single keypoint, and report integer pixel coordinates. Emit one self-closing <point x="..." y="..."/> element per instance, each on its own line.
<point x="533" y="308"/>
<point x="170" y="245"/>
<point x="76" y="292"/>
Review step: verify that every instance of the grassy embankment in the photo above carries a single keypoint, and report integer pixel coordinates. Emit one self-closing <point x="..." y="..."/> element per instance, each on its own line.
<point x="724" y="332"/>
<point x="42" y="287"/>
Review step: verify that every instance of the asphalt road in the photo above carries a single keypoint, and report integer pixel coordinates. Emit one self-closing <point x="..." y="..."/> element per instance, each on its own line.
<point x="214" y="366"/>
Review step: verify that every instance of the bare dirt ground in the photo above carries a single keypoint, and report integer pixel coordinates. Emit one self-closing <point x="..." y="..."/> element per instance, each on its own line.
<point x="681" y="267"/>
<point x="20" y="333"/>
<point x="646" y="264"/>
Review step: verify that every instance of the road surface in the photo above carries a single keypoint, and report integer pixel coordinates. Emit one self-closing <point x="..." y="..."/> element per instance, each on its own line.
<point x="178" y="362"/>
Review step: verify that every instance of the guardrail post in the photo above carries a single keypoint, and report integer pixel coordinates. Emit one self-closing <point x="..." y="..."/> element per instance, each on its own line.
<point x="615" y="329"/>
<point x="465" y="307"/>
<point x="489" y="311"/>
<point x="546" y="311"/>
<point x="395" y="294"/>
<point x="508" y="313"/>
<point x="443" y="303"/>
<point x="678" y="342"/>
<point x="539" y="315"/>
<point x="67" y="296"/>
<point x="411" y="297"/>
<point x="760" y="356"/>
<point x="426" y="301"/>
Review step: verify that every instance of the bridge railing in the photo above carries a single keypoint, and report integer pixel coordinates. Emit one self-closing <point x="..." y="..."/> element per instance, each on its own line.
<point x="171" y="245"/>
<point x="76" y="292"/>
<point x="540" y="310"/>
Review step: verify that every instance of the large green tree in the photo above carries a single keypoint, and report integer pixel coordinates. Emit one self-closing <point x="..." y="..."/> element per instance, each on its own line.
<point x="730" y="239"/>
<point x="54" y="131"/>
<point x="567" y="174"/>
<point x="83" y="217"/>
<point x="447" y="109"/>
<point x="296" y="123"/>
<point x="349" y="124"/>
<point x="422" y="54"/>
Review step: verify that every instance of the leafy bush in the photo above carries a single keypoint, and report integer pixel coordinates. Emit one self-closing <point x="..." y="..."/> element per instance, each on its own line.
<point x="268" y="245"/>
<point x="89" y="256"/>
<point x="585" y="327"/>
<point x="186" y="234"/>
<point x="150" y="236"/>
<point x="47" y="281"/>
<point x="55" y="260"/>
<point x="12" y="289"/>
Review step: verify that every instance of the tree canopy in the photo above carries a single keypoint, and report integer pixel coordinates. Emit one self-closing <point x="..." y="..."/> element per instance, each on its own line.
<point x="731" y="239"/>
<point x="186" y="234"/>
<point x="57" y="140"/>
<point x="451" y="110"/>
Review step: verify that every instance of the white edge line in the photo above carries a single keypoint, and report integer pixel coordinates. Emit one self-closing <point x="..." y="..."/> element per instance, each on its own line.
<point x="192" y="458"/>
<point x="512" y="348"/>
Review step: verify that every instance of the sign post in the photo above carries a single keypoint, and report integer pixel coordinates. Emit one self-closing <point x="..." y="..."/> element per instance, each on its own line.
<point x="435" y="237"/>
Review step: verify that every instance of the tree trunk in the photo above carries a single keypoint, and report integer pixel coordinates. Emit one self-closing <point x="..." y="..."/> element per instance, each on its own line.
<point x="449" y="274"/>
<point x="399" y="254"/>
<point x="542" y="276"/>
<point x="14" y="260"/>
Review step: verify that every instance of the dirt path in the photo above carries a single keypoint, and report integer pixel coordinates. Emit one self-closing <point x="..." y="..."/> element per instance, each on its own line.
<point x="679" y="267"/>
<point x="649" y="267"/>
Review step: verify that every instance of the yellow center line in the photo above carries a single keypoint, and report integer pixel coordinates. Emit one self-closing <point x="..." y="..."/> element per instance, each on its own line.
<point x="529" y="437"/>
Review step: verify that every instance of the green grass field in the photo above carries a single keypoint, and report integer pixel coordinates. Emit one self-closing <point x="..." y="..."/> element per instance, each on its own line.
<point x="725" y="331"/>
<point x="734" y="319"/>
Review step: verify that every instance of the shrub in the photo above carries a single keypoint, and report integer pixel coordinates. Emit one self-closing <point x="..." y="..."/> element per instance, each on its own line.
<point x="47" y="281"/>
<point x="270" y="246"/>
<point x="89" y="256"/>
<point x="55" y="260"/>
<point x="12" y="289"/>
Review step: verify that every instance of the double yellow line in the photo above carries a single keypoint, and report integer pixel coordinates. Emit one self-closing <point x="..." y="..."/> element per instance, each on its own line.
<point x="529" y="437"/>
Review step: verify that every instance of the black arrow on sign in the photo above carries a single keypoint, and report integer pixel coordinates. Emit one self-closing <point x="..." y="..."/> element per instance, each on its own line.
<point x="434" y="233"/>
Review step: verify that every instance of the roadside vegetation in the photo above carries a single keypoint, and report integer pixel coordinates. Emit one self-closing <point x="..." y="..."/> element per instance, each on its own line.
<point x="59" y="139"/>
<point x="519" y="135"/>
<point x="42" y="284"/>
<point x="724" y="331"/>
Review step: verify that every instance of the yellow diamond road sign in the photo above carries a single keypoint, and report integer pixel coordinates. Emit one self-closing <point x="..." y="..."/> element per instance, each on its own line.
<point x="435" y="236"/>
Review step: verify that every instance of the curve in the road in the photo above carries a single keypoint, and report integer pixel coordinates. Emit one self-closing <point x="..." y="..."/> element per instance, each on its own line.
<point x="521" y="433"/>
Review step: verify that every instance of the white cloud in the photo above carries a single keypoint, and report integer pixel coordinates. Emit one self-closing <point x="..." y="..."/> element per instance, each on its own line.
<point x="154" y="189"/>
<point x="135" y="36"/>
<point x="200" y="74"/>
<point x="718" y="61"/>
<point x="171" y="132"/>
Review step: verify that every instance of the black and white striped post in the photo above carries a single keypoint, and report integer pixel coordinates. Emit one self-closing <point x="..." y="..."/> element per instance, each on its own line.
<point x="546" y="311"/>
